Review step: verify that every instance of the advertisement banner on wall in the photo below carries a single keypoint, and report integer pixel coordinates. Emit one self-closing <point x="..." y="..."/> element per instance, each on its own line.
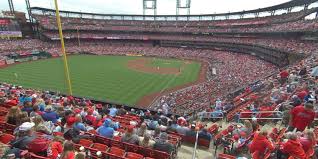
<point x="34" y="58"/>
<point x="2" y="62"/>
<point x="10" y="61"/>
<point x="10" y="34"/>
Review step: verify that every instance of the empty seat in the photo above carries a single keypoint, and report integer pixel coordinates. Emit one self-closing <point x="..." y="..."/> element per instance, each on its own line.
<point x="85" y="142"/>
<point x="117" y="151"/>
<point x="102" y="140"/>
<point x="98" y="147"/>
<point x="131" y="155"/>
<point x="226" y="156"/>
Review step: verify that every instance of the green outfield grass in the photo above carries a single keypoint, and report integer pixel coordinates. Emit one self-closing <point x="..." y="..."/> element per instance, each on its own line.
<point x="99" y="77"/>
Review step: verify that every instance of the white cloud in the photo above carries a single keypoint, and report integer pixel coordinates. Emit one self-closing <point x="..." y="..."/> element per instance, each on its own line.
<point x="135" y="6"/>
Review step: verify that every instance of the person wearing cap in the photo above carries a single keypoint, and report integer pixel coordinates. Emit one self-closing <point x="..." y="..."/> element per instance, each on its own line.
<point x="50" y="115"/>
<point x="301" y="117"/>
<point x="26" y="136"/>
<point x="106" y="130"/>
<point x="162" y="144"/>
<point x="130" y="136"/>
<point x="260" y="144"/>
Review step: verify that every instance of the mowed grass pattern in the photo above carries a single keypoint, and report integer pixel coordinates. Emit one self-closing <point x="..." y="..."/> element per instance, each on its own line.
<point x="98" y="77"/>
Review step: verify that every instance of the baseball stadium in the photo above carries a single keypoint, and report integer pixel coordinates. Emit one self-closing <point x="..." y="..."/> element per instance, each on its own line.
<point x="152" y="79"/>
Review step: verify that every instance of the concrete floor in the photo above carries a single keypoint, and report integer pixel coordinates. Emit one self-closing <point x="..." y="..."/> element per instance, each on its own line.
<point x="186" y="150"/>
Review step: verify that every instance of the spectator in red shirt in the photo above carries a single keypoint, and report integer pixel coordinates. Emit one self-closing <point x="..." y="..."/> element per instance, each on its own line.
<point x="302" y="94"/>
<point x="260" y="145"/>
<point x="292" y="148"/>
<point x="283" y="76"/>
<point x="301" y="117"/>
<point x="90" y="118"/>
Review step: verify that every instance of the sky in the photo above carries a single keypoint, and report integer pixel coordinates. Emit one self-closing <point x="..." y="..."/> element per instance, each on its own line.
<point x="164" y="7"/>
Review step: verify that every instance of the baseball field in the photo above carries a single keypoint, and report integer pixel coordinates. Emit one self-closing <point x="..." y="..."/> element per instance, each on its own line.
<point x="123" y="79"/>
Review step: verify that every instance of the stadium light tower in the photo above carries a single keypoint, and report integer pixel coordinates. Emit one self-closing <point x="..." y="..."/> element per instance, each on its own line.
<point x="183" y="5"/>
<point x="27" y="2"/>
<point x="11" y="6"/>
<point x="149" y="5"/>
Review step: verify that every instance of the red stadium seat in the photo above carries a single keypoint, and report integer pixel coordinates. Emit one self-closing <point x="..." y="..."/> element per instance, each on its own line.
<point x="133" y="148"/>
<point x="161" y="155"/>
<point x="98" y="147"/>
<point x="131" y="155"/>
<point x="203" y="142"/>
<point x="85" y="142"/>
<point x="102" y="140"/>
<point x="117" y="151"/>
<point x="148" y="152"/>
<point x="213" y="129"/>
<point x="226" y="156"/>
<point x="115" y="143"/>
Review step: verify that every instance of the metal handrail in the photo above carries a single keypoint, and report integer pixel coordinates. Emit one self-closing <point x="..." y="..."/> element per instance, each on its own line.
<point x="208" y="115"/>
<point x="261" y="112"/>
<point x="195" y="145"/>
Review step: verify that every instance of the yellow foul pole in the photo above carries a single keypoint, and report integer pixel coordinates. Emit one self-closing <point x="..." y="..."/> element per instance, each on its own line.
<point x="66" y="70"/>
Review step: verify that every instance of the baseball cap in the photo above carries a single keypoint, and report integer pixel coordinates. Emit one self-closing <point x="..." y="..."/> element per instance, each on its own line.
<point x="26" y="126"/>
<point x="130" y="129"/>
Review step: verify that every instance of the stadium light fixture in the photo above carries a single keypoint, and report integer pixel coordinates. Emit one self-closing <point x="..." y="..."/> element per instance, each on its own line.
<point x="152" y="6"/>
<point x="183" y="5"/>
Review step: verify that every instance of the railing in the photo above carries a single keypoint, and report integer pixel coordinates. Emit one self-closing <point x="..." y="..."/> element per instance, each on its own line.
<point x="195" y="145"/>
<point x="261" y="118"/>
<point x="210" y="115"/>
